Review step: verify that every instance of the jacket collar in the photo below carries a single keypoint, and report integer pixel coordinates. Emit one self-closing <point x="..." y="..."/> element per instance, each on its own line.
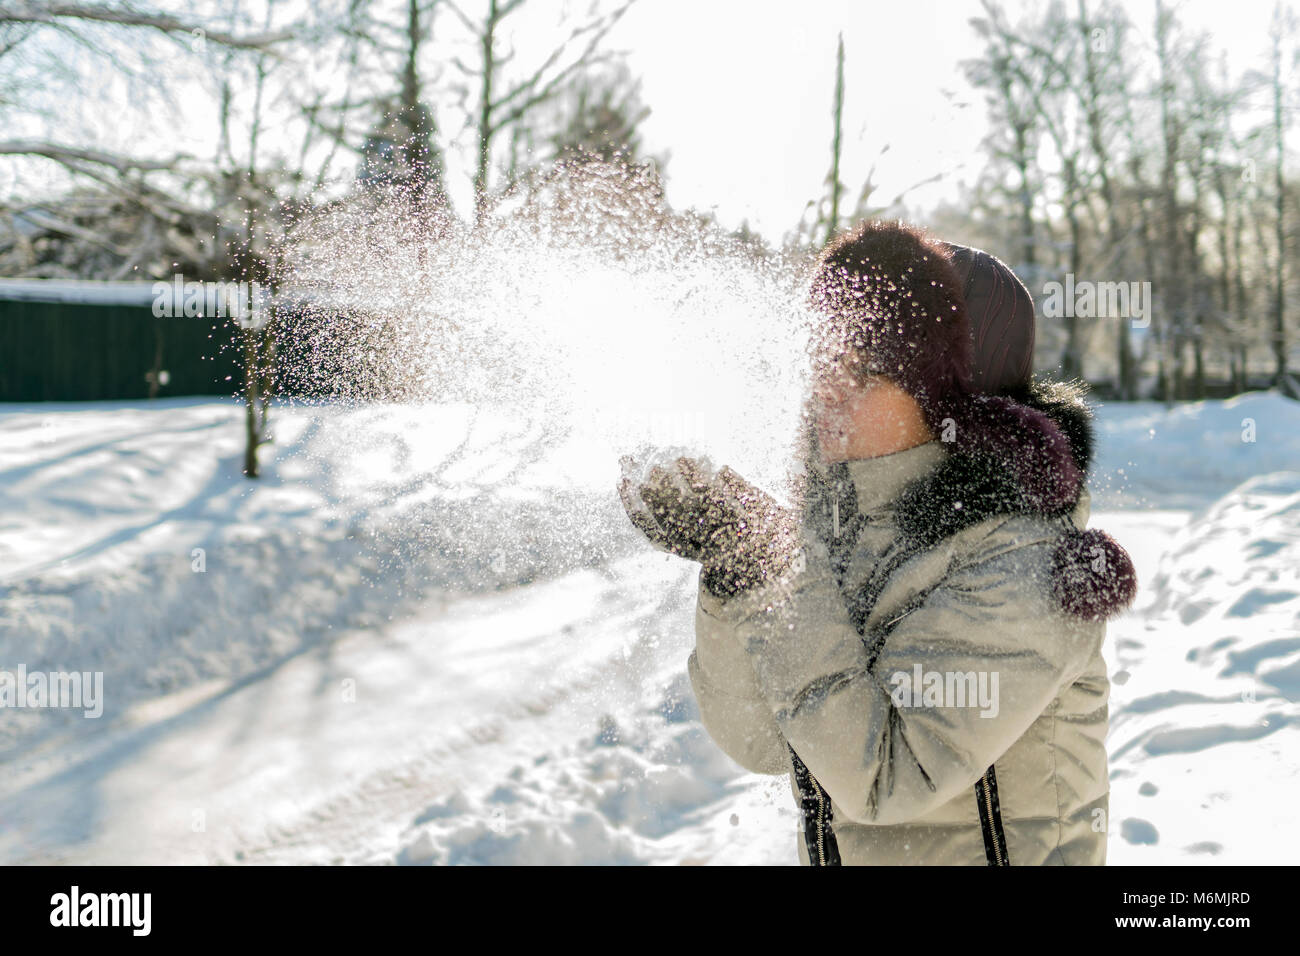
<point x="878" y="481"/>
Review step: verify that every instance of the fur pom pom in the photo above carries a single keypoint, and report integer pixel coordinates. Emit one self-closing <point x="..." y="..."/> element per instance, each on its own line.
<point x="1092" y="576"/>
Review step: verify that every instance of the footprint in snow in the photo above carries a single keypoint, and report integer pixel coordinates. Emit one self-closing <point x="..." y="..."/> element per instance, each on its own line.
<point x="1138" y="832"/>
<point x="1256" y="599"/>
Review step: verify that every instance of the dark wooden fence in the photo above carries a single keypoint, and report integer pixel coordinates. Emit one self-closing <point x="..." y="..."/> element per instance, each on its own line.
<point x="82" y="351"/>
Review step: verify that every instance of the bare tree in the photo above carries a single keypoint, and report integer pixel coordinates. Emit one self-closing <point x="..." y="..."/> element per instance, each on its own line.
<point x="1015" y="137"/>
<point x="204" y="217"/>
<point x="1105" y="35"/>
<point x="824" y="216"/>
<point x="1282" y="28"/>
<point x="496" y="102"/>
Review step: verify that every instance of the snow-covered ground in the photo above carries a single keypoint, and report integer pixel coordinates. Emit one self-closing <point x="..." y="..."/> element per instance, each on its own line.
<point x="426" y="635"/>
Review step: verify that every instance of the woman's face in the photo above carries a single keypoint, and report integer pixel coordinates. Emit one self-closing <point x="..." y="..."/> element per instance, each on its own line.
<point x="843" y="398"/>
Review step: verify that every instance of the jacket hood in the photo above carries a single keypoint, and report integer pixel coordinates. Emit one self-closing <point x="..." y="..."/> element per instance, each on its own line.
<point x="1028" y="452"/>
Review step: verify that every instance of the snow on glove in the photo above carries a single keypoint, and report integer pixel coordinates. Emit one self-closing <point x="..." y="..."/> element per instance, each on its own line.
<point x="738" y="532"/>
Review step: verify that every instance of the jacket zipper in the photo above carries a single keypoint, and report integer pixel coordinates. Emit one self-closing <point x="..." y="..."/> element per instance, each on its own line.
<point x="821" y="826"/>
<point x="814" y="802"/>
<point x="995" y="849"/>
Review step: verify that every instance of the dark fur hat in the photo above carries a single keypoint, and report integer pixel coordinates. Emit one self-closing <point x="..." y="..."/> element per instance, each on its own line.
<point x="891" y="301"/>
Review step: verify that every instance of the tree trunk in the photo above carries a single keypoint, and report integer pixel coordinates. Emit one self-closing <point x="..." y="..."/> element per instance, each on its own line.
<point x="1279" y="295"/>
<point x="1126" y="370"/>
<point x="253" y="417"/>
<point x="1169" y="193"/>
<point x="485" y="114"/>
<point x="1072" y="361"/>
<point x="833" y="217"/>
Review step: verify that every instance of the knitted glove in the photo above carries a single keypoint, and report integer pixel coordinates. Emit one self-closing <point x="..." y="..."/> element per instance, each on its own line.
<point x="740" y="535"/>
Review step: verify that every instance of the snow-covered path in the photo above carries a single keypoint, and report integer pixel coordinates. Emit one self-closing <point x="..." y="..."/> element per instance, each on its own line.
<point x="504" y="714"/>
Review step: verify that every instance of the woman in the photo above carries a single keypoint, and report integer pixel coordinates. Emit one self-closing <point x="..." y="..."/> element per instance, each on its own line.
<point x="918" y="644"/>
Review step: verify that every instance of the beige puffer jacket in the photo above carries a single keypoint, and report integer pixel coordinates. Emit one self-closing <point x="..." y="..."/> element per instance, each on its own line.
<point x="784" y="669"/>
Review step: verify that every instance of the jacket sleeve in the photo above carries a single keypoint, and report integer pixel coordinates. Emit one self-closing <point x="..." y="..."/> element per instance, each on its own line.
<point x="882" y="759"/>
<point x="732" y="707"/>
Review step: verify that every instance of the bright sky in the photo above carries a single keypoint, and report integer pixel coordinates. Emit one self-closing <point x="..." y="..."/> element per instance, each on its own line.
<point x="741" y="93"/>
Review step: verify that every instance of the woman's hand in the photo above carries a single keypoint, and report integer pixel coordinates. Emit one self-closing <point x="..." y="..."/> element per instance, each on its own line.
<point x="738" y="532"/>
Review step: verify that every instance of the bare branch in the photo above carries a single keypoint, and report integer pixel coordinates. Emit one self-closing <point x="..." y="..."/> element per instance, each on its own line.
<point x="469" y="24"/>
<point x="54" y="14"/>
<point x="52" y="223"/>
<point x="598" y="30"/>
<point x="599" y="26"/>
<point x="72" y="154"/>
